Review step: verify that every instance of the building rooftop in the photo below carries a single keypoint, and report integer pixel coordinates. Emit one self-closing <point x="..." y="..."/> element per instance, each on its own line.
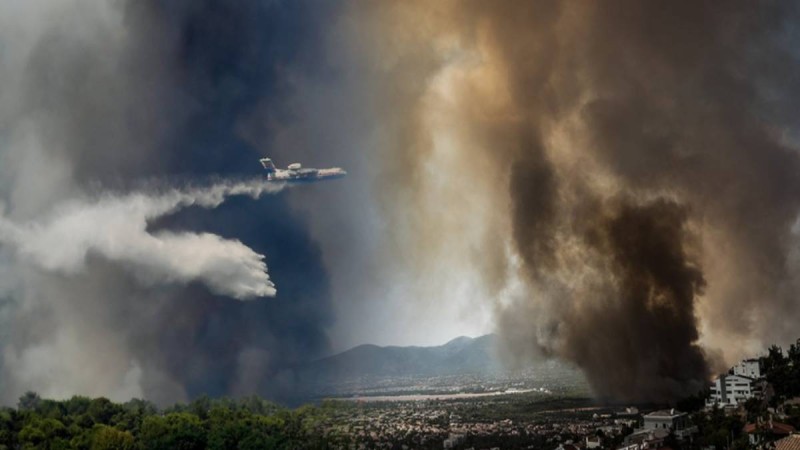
<point x="665" y="413"/>
<point x="788" y="443"/>
<point x="773" y="427"/>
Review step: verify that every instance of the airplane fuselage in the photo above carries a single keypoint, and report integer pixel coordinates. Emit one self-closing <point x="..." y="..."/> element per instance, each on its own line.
<point x="295" y="173"/>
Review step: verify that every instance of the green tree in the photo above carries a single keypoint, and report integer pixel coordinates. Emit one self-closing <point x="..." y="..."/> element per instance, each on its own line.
<point x="755" y="408"/>
<point x="200" y="407"/>
<point x="8" y="433"/>
<point x="225" y="427"/>
<point x="110" y="438"/>
<point x="774" y="359"/>
<point x="102" y="410"/>
<point x="51" y="409"/>
<point x="179" y="431"/>
<point x="717" y="429"/>
<point x="257" y="405"/>
<point x="783" y="372"/>
<point x="154" y="434"/>
<point x="44" y="434"/>
<point x="794" y="353"/>
<point x="81" y="436"/>
<point x="262" y="432"/>
<point x="77" y="405"/>
<point x="793" y="383"/>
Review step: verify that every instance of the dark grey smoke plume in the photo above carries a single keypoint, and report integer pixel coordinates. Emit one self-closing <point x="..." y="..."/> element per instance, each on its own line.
<point x="645" y="320"/>
<point x="647" y="159"/>
<point x="674" y="101"/>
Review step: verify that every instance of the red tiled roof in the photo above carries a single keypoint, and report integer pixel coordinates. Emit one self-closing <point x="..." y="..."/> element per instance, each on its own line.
<point x="776" y="428"/>
<point x="788" y="443"/>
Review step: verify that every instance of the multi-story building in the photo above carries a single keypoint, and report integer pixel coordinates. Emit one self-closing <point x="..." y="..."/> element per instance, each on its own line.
<point x="750" y="368"/>
<point x="745" y="381"/>
<point x="732" y="390"/>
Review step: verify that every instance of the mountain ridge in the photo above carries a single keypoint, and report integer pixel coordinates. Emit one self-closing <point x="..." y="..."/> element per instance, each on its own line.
<point x="459" y="340"/>
<point x="461" y="355"/>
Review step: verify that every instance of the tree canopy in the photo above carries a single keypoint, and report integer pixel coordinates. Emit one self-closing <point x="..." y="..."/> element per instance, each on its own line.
<point x="100" y="424"/>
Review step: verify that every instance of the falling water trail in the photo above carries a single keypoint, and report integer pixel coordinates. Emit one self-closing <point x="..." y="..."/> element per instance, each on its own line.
<point x="115" y="226"/>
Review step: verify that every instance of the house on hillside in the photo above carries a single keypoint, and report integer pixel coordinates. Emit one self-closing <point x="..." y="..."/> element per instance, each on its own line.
<point x="672" y="420"/>
<point x="642" y="439"/>
<point x="660" y="424"/>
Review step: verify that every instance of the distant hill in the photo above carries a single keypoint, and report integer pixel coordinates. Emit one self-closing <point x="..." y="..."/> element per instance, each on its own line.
<point x="462" y="355"/>
<point x="462" y="365"/>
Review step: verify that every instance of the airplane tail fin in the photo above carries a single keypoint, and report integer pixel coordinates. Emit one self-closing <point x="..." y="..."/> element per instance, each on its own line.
<point x="268" y="164"/>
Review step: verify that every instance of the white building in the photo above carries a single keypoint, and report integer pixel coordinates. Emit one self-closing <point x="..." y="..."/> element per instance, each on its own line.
<point x="670" y="420"/>
<point x="746" y="382"/>
<point x="732" y="390"/>
<point x="750" y="368"/>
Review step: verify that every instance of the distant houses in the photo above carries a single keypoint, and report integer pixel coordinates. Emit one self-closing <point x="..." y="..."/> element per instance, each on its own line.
<point x="743" y="410"/>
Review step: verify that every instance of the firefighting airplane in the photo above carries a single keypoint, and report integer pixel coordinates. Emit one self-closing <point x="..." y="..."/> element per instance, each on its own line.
<point x="295" y="173"/>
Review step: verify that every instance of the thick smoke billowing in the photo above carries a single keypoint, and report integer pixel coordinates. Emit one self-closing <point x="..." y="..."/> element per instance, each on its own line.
<point x="640" y="164"/>
<point x="643" y="318"/>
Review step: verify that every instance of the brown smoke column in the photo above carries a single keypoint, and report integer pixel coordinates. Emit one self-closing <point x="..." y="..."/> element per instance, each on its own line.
<point x="638" y="160"/>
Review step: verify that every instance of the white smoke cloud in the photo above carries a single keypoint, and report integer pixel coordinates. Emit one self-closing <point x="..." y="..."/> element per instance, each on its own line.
<point x="116" y="227"/>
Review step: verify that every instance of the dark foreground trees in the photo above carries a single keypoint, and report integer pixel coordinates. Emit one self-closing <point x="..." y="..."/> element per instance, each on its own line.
<point x="99" y="424"/>
<point x="783" y="372"/>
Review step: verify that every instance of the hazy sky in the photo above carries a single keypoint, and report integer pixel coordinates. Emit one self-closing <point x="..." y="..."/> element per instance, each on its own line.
<point x="611" y="183"/>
